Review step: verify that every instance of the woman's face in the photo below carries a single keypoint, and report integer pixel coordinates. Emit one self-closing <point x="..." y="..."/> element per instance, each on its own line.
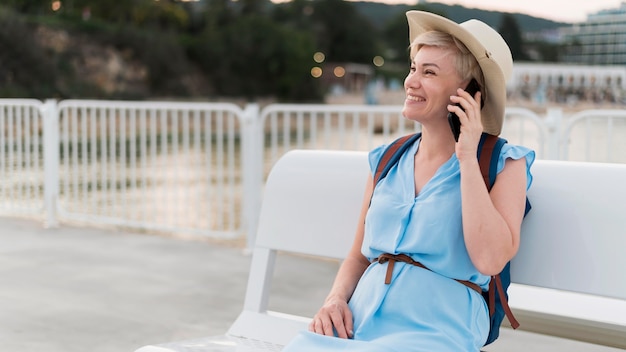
<point x="433" y="78"/>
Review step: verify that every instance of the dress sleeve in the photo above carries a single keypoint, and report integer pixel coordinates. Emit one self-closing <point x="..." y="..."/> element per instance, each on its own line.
<point x="515" y="152"/>
<point x="374" y="156"/>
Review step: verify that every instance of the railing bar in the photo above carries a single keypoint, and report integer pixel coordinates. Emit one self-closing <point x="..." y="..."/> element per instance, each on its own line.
<point x="219" y="182"/>
<point x="164" y="170"/>
<point x="111" y="153"/>
<point x="132" y="120"/>
<point x="82" y="157"/>
<point x="208" y="136"/>
<point x="29" y="181"/>
<point x="19" y="158"/>
<point x="300" y="130"/>
<point x="107" y="189"/>
<point x="154" y="184"/>
<point x="197" y="152"/>
<point x="231" y="172"/>
<point x="143" y="150"/>
<point x="123" y="164"/>
<point x="286" y="133"/>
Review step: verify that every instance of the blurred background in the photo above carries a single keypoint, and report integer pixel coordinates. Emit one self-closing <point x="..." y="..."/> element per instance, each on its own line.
<point x="125" y="118"/>
<point x="245" y="50"/>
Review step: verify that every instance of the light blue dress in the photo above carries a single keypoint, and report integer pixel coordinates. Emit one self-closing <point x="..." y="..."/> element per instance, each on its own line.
<point x="420" y="310"/>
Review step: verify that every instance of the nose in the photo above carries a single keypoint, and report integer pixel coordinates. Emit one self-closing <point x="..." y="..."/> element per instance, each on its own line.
<point x="412" y="81"/>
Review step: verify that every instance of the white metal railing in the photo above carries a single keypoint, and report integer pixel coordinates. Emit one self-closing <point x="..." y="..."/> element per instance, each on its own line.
<point x="596" y="135"/>
<point x="21" y="157"/>
<point x="151" y="165"/>
<point x="341" y="127"/>
<point x="199" y="167"/>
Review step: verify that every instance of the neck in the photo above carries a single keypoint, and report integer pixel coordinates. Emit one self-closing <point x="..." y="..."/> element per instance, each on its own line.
<point x="436" y="143"/>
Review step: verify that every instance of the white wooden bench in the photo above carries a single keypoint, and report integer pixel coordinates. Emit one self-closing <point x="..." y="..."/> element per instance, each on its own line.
<point x="569" y="281"/>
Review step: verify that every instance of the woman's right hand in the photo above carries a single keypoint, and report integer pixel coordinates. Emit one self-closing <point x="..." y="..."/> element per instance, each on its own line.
<point x="336" y="314"/>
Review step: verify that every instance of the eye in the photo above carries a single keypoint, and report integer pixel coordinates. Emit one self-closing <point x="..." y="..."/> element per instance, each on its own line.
<point x="412" y="69"/>
<point x="428" y="72"/>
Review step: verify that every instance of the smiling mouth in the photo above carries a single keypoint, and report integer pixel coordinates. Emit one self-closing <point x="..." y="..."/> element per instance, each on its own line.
<point x="414" y="98"/>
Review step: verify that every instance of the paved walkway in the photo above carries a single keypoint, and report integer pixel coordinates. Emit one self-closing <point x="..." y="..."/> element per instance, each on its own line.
<point x="72" y="289"/>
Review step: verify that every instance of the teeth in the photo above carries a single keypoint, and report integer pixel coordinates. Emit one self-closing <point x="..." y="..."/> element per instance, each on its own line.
<point x="414" y="98"/>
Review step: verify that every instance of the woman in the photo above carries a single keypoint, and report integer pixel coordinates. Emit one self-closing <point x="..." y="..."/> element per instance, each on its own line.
<point x="434" y="207"/>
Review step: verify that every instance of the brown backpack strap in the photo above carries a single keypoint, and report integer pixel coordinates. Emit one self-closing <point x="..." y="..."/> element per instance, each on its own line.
<point x="484" y="162"/>
<point x="388" y="154"/>
<point x="485" y="157"/>
<point x="503" y="301"/>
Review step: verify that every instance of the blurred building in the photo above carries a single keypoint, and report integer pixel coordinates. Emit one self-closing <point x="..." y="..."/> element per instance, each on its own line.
<point x="568" y="83"/>
<point x="601" y="40"/>
<point x="346" y="76"/>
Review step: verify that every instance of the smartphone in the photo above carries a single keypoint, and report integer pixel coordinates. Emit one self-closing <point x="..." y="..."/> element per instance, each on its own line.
<point x="455" y="124"/>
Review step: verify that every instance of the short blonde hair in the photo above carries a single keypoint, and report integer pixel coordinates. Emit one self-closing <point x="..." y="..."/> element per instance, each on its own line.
<point x="466" y="64"/>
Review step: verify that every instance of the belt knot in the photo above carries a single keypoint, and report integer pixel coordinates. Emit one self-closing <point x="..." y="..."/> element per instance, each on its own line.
<point x="393" y="258"/>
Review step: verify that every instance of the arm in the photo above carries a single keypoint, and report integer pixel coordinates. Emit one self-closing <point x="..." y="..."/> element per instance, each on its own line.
<point x="491" y="220"/>
<point x="335" y="312"/>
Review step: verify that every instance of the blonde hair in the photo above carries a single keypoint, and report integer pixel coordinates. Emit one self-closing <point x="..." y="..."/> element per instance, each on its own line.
<point x="466" y="64"/>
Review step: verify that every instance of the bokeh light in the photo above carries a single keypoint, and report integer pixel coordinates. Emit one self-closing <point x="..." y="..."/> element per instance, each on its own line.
<point x="319" y="57"/>
<point x="378" y="61"/>
<point x="339" y="71"/>
<point x="56" y="5"/>
<point x="316" y="72"/>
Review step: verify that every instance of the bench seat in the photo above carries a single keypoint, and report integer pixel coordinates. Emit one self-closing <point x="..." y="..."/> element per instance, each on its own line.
<point x="568" y="289"/>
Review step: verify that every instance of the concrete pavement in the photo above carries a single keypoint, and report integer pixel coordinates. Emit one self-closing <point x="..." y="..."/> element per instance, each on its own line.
<point x="75" y="289"/>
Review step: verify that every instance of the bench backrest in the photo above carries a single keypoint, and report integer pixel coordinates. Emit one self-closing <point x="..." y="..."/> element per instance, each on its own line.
<point x="312" y="201"/>
<point x="573" y="239"/>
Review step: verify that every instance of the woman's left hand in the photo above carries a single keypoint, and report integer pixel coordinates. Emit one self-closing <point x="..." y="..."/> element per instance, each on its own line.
<point x="471" y="123"/>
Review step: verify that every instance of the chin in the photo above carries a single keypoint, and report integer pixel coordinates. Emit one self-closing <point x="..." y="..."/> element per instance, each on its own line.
<point x="409" y="113"/>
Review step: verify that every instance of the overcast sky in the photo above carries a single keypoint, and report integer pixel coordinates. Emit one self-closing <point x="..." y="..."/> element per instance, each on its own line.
<point x="558" y="10"/>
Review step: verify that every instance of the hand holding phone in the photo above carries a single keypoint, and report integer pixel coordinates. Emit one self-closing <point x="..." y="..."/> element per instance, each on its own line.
<point x="453" y="119"/>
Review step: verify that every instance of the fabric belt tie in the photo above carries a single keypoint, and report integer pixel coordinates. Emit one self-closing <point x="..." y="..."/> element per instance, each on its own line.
<point x="393" y="258"/>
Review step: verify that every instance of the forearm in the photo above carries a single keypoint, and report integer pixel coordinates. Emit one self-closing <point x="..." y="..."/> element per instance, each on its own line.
<point x="488" y="237"/>
<point x="347" y="278"/>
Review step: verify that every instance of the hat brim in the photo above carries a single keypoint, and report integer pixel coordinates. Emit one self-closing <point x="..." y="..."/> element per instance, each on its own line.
<point x="494" y="92"/>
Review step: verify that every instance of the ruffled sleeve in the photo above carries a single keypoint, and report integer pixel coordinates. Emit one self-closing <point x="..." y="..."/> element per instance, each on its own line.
<point x="516" y="152"/>
<point x="375" y="155"/>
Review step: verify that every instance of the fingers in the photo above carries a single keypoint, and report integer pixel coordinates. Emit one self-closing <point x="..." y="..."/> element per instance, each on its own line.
<point x="469" y="110"/>
<point x="349" y="324"/>
<point x="467" y="102"/>
<point x="333" y="321"/>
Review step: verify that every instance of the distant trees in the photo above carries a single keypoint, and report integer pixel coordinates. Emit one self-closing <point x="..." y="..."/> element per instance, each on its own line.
<point x="511" y="33"/>
<point x="255" y="57"/>
<point x="25" y="69"/>
<point x="246" y="48"/>
<point x="342" y="34"/>
<point x="396" y="36"/>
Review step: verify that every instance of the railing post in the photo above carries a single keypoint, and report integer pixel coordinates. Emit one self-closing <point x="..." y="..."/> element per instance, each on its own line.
<point x="51" y="160"/>
<point x="252" y="175"/>
<point x="554" y="120"/>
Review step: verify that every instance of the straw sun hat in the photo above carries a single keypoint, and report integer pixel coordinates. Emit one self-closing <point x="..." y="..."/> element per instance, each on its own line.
<point x="489" y="49"/>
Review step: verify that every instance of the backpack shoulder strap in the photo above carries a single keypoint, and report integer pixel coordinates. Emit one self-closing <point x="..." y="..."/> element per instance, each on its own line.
<point x="488" y="154"/>
<point x="392" y="154"/>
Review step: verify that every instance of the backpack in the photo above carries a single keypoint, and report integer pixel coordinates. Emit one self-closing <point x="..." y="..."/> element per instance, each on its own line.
<point x="488" y="153"/>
